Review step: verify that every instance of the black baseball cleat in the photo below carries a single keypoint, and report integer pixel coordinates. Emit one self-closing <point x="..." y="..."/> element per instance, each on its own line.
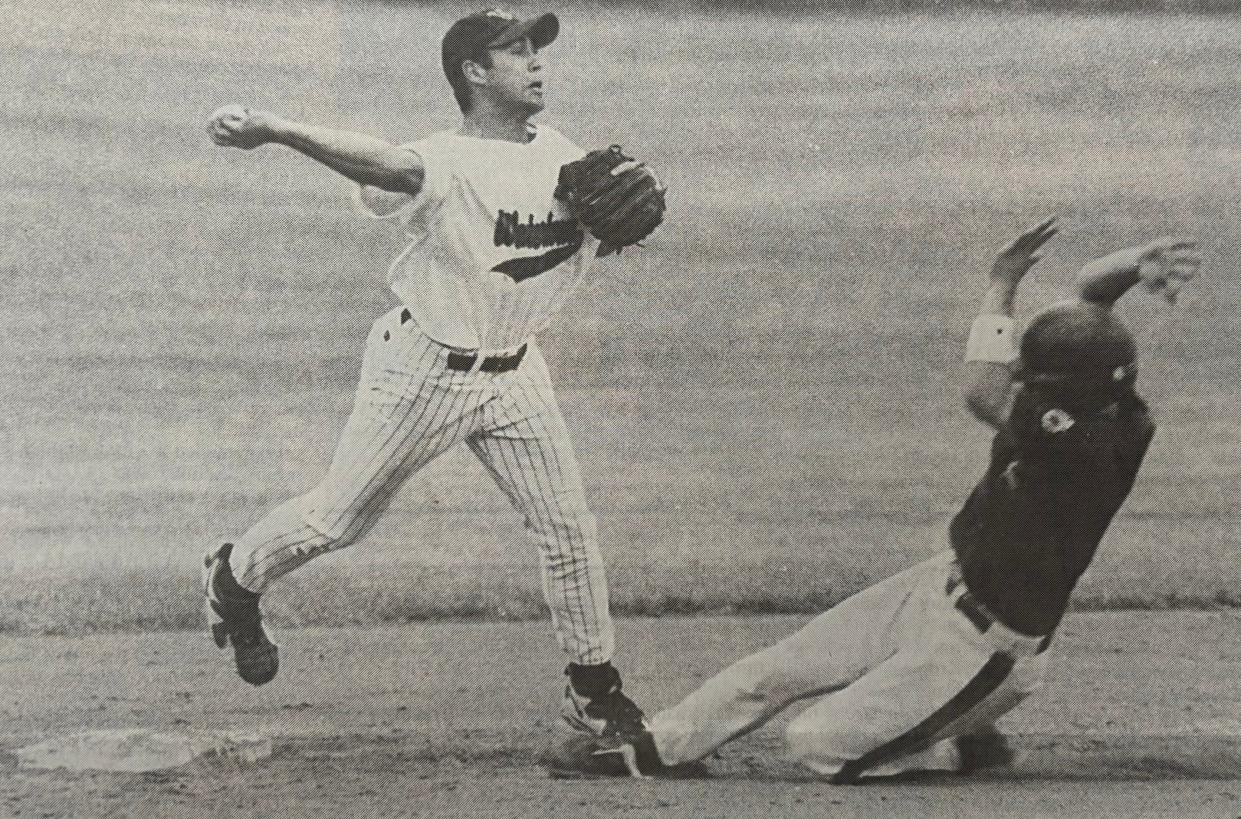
<point x="234" y="617"/>
<point x="594" y="703"/>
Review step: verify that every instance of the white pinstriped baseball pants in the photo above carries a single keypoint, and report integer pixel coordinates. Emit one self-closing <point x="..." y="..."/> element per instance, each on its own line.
<point x="410" y="408"/>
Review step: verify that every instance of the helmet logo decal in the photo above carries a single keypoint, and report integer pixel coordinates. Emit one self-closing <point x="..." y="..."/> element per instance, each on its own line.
<point x="1056" y="420"/>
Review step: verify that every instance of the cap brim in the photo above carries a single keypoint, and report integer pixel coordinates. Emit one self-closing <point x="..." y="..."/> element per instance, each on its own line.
<point x="542" y="30"/>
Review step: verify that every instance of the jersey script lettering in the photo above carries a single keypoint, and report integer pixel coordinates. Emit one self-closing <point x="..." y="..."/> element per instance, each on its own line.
<point x="564" y="234"/>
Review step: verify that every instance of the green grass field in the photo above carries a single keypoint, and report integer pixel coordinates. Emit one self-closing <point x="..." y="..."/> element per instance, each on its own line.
<point x="764" y="400"/>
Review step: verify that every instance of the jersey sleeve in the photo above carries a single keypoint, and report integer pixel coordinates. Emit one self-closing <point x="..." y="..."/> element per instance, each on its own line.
<point x="412" y="213"/>
<point x="560" y="149"/>
<point x="378" y="203"/>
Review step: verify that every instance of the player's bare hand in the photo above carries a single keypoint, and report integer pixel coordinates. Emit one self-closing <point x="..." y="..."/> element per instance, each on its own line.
<point x="234" y="126"/>
<point x="1167" y="263"/>
<point x="1014" y="261"/>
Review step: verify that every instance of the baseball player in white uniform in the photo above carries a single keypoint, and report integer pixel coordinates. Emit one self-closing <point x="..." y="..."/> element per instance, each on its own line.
<point x="911" y="674"/>
<point x="492" y="257"/>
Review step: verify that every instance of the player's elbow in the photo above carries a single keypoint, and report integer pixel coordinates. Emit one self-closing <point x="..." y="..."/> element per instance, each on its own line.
<point x="402" y="172"/>
<point x="984" y="404"/>
<point x="1093" y="291"/>
<point x="988" y="391"/>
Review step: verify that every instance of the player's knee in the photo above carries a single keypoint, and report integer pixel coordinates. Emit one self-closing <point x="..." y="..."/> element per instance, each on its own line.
<point x="335" y="530"/>
<point x="814" y="746"/>
<point x="799" y="742"/>
<point x="802" y="739"/>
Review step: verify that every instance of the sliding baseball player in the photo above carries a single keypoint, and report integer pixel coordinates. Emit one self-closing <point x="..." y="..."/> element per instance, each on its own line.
<point x="911" y="674"/>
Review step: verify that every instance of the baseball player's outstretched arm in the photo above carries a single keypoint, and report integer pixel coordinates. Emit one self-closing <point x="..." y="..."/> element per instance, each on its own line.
<point x="365" y="159"/>
<point x="1163" y="266"/>
<point x="992" y="345"/>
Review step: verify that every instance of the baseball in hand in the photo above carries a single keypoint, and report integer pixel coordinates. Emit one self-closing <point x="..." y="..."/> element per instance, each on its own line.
<point x="226" y="124"/>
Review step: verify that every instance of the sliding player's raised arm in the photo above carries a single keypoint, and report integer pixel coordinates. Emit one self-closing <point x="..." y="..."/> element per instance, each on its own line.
<point x="1163" y="266"/>
<point x="992" y="347"/>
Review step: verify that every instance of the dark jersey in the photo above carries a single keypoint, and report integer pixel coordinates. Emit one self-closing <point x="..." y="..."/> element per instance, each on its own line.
<point x="1033" y="523"/>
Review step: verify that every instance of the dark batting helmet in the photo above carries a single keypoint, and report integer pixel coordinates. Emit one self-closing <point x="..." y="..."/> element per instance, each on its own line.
<point x="1079" y="353"/>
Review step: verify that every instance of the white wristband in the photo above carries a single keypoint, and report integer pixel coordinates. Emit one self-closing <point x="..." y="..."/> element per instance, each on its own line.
<point x="992" y="339"/>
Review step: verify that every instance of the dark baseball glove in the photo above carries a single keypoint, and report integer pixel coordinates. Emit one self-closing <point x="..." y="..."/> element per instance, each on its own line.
<point x="615" y="197"/>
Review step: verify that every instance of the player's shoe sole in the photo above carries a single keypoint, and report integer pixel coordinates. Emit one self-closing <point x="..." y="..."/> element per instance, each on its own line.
<point x="591" y="757"/>
<point x="587" y="757"/>
<point x="233" y="616"/>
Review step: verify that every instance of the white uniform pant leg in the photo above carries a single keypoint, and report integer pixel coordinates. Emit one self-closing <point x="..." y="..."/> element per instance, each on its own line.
<point x="408" y="410"/>
<point x="525" y="446"/>
<point x="827" y="654"/>
<point x="945" y="680"/>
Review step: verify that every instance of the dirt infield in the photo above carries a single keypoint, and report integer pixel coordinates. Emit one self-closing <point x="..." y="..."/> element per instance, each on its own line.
<point x="1140" y="717"/>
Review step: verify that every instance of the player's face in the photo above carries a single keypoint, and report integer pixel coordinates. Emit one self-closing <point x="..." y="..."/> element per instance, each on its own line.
<point x="515" y="79"/>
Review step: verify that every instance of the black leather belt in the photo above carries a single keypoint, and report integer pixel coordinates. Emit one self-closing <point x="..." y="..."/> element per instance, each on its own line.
<point x="978" y="614"/>
<point x="491" y="364"/>
<point x="465" y="361"/>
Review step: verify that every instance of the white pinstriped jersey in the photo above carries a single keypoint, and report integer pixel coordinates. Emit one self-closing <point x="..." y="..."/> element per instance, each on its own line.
<point x="493" y="255"/>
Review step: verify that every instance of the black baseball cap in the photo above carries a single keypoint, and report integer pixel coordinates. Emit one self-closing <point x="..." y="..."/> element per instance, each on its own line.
<point x="470" y="36"/>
